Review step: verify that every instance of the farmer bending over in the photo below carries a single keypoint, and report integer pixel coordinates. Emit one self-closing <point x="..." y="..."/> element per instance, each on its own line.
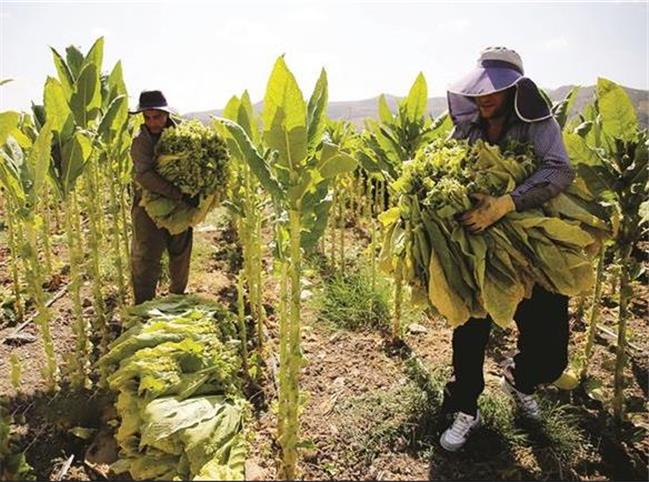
<point x="497" y="103"/>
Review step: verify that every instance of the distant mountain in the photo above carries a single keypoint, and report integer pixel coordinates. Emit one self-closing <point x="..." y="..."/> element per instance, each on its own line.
<point x="358" y="110"/>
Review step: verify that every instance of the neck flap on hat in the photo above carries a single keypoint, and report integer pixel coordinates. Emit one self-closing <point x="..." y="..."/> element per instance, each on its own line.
<point x="529" y="104"/>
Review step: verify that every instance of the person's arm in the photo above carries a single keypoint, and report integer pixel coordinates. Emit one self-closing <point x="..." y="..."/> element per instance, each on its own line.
<point x="145" y="174"/>
<point x="554" y="174"/>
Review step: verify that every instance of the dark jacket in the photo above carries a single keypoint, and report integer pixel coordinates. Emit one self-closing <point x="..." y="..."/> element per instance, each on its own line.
<point x="144" y="173"/>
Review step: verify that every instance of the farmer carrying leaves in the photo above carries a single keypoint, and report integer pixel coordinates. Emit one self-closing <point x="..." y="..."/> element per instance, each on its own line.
<point x="149" y="240"/>
<point x="495" y="102"/>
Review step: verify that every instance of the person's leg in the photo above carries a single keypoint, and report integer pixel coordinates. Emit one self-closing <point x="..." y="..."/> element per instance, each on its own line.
<point x="147" y="246"/>
<point x="179" y="248"/>
<point x="469" y="343"/>
<point x="542" y="354"/>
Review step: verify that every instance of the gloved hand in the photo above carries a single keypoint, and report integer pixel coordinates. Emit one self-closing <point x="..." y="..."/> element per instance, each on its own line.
<point x="488" y="210"/>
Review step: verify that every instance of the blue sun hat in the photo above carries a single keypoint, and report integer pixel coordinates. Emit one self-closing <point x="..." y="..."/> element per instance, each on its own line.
<point x="498" y="69"/>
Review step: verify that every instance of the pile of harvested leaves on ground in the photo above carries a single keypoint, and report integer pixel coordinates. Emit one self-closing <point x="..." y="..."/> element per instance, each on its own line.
<point x="176" y="369"/>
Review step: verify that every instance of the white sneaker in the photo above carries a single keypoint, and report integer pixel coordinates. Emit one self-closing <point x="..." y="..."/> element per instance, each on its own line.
<point x="458" y="433"/>
<point x="527" y="405"/>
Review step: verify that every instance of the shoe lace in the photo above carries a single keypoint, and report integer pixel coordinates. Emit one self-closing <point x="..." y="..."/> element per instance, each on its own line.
<point x="462" y="424"/>
<point x="528" y="402"/>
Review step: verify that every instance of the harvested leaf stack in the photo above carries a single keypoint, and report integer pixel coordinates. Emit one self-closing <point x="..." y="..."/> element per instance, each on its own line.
<point x="180" y="401"/>
<point x="464" y="275"/>
<point x="194" y="158"/>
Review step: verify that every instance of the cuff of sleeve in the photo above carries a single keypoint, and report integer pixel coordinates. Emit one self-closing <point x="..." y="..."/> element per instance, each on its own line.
<point x="516" y="197"/>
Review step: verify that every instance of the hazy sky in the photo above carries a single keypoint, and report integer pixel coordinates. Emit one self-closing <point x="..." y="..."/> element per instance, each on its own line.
<point x="201" y="53"/>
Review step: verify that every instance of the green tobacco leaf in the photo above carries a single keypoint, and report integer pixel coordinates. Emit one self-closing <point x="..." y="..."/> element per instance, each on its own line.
<point x="284" y="117"/>
<point x="561" y="109"/>
<point x="334" y="162"/>
<point x="8" y="122"/>
<point x="165" y="416"/>
<point x="244" y="119"/>
<point x="95" y="55"/>
<point x="619" y="119"/>
<point x="74" y="59"/>
<point x="253" y="119"/>
<point x="57" y="110"/>
<point x="600" y="181"/>
<point x="85" y="102"/>
<point x="114" y="119"/>
<point x="417" y="99"/>
<point x="75" y="154"/>
<point x="231" y="110"/>
<point x="256" y="162"/>
<point x="10" y="179"/>
<point x="441" y="126"/>
<point x="315" y="214"/>
<point x="65" y="75"/>
<point x="578" y="151"/>
<point x="384" y="110"/>
<point x="442" y="295"/>
<point x="389" y="217"/>
<point x="116" y="83"/>
<point x="317" y="112"/>
<point x="554" y="228"/>
<point x="39" y="159"/>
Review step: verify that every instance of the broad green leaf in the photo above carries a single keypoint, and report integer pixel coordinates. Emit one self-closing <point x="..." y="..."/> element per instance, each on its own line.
<point x="86" y="99"/>
<point x="561" y="110"/>
<point x="317" y="112"/>
<point x="284" y="117"/>
<point x="39" y="159"/>
<point x="417" y="99"/>
<point x="441" y="126"/>
<point x="442" y="295"/>
<point x="114" y="120"/>
<point x="74" y="59"/>
<point x="167" y="415"/>
<point x="389" y="217"/>
<point x="578" y="151"/>
<point x="618" y="115"/>
<point x="245" y="121"/>
<point x="599" y="180"/>
<point x="315" y="214"/>
<point x="334" y="162"/>
<point x="8" y="122"/>
<point x="74" y="155"/>
<point x="10" y="179"/>
<point x="256" y="162"/>
<point x="253" y="119"/>
<point x="116" y="83"/>
<point x="231" y="110"/>
<point x="391" y="146"/>
<point x="307" y="181"/>
<point x="384" y="111"/>
<point x="57" y="110"/>
<point x="95" y="55"/>
<point x="65" y="75"/>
